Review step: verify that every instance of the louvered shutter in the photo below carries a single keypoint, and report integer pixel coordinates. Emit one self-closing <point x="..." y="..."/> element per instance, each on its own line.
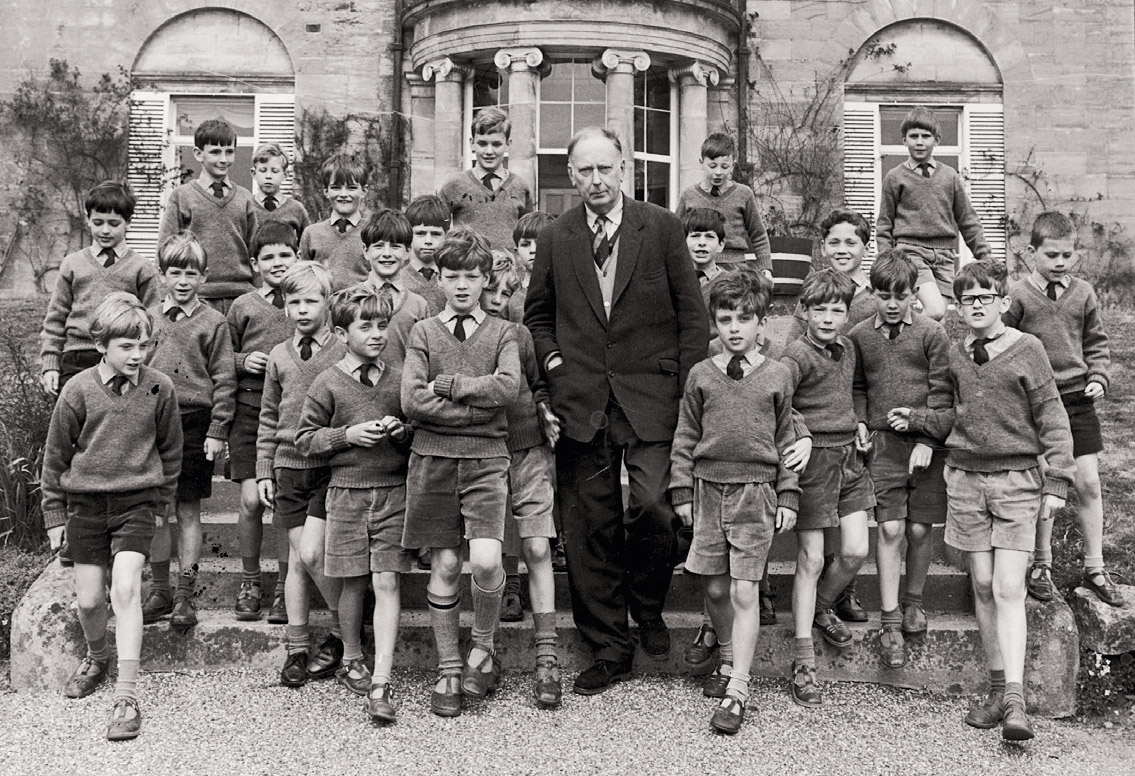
<point x="146" y="150"/>
<point x="276" y="123"/>
<point x="861" y="179"/>
<point x="984" y="131"/>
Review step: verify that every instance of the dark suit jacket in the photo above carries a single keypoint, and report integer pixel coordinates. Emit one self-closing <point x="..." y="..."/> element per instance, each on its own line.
<point x="658" y="327"/>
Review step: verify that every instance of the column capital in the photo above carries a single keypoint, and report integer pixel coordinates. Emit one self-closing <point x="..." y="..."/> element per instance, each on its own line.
<point x="698" y="71"/>
<point x="445" y="69"/>
<point x="419" y="87"/>
<point x="518" y="60"/>
<point x="616" y="61"/>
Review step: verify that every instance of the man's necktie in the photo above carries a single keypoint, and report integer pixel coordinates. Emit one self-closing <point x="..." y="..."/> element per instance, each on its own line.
<point x="600" y="245"/>
<point x="487" y="181"/>
<point x="980" y="354"/>
<point x="109" y="257"/>
<point x="835" y="350"/>
<point x="459" y="327"/>
<point x="734" y="369"/>
<point x="893" y="330"/>
<point x="173" y="314"/>
<point x="924" y="168"/>
<point x="364" y="375"/>
<point x="118" y="384"/>
<point x="270" y="203"/>
<point x="342" y="224"/>
<point x="277" y="297"/>
<point x="428" y="273"/>
<point x="305" y="347"/>
<point x="715" y="191"/>
<point x="218" y="189"/>
<point x="1051" y="290"/>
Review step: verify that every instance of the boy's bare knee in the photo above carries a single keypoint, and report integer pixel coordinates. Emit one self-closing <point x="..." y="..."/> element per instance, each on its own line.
<point x="983" y="588"/>
<point x="892" y="531"/>
<point x="810" y="563"/>
<point x="1008" y="590"/>
<point x="536" y="551"/>
<point x="1088" y="487"/>
<point x="385" y="582"/>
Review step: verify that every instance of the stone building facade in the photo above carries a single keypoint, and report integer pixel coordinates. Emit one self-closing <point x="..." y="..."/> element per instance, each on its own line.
<point x="1027" y="90"/>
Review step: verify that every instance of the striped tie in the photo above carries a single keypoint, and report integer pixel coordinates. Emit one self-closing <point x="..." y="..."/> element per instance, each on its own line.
<point x="600" y="244"/>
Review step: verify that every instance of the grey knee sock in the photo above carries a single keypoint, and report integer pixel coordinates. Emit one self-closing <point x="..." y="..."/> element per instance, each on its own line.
<point x="127" y="686"/>
<point x="486" y="614"/>
<point x="445" y="617"/>
<point x="545" y="638"/>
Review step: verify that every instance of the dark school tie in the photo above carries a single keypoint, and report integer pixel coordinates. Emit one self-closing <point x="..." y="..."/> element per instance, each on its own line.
<point x="428" y="273"/>
<point x="118" y="384"/>
<point x="387" y="292"/>
<point x="893" y="330"/>
<point x="277" y="297"/>
<point x="270" y="203"/>
<point x="341" y="224"/>
<point x="218" y="189"/>
<point x="173" y="314"/>
<point x="459" y="327"/>
<point x="1051" y="290"/>
<point x="924" y="168"/>
<point x="487" y="181"/>
<point x="305" y="347"/>
<point x="364" y="375"/>
<point x="701" y="275"/>
<point x="734" y="369"/>
<point x="109" y="257"/>
<point x="835" y="350"/>
<point x="600" y="245"/>
<point x="715" y="191"/>
<point x="980" y="354"/>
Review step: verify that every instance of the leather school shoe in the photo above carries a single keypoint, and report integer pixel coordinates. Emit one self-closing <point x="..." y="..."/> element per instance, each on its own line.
<point x="294" y="674"/>
<point x="1038" y="583"/>
<point x="511" y="608"/>
<point x="832" y="628"/>
<point x="1100" y="583"/>
<point x="548" y="688"/>
<point x="701" y="656"/>
<point x="988" y="713"/>
<point x="86" y="678"/>
<point x="380" y="703"/>
<point x="728" y="716"/>
<point x="848" y="608"/>
<point x="559" y="557"/>
<point x="601" y="676"/>
<point x="805" y="690"/>
<point x="248" y="602"/>
<point x="1015" y="724"/>
<point x="913" y="620"/>
<point x="327" y="659"/>
<point x="184" y="611"/>
<point x="892" y="648"/>
<point x="476" y="682"/>
<point x="447" y="702"/>
<point x="278" y="614"/>
<point x="125" y="720"/>
<point x="158" y="604"/>
<point x="767" y="610"/>
<point x="716" y="683"/>
<point x="654" y="637"/>
<point x="359" y="682"/>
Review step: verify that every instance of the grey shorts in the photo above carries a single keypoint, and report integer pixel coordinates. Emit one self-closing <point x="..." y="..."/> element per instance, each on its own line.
<point x="733" y="528"/>
<point x="834" y="485"/>
<point x="919" y="497"/>
<point x="989" y="510"/>
<point x="937" y="264"/>
<point x="530" y="492"/>
<point x="448" y="499"/>
<point x="364" y="531"/>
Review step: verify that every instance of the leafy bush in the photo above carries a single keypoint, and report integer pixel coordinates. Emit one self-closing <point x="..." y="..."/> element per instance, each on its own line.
<point x="1106" y="684"/>
<point x="18" y="569"/>
<point x="25" y="412"/>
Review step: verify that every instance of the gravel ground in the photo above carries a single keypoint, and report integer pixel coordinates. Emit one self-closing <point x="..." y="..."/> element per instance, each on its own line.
<point x="242" y="722"/>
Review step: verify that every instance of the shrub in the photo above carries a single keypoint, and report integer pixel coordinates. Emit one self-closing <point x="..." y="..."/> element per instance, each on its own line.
<point x="25" y="412"/>
<point x="18" y="569"/>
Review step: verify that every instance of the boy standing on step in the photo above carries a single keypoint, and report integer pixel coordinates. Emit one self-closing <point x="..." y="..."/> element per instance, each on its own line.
<point x="1063" y="313"/>
<point x="335" y="241"/>
<point x="353" y="417"/>
<point x="110" y="469"/>
<point x="462" y="371"/>
<point x="269" y="171"/>
<point x="1007" y="416"/>
<point x="293" y="484"/>
<point x="429" y="221"/>
<point x="902" y="385"/>
<point x="387" y="237"/>
<point x="727" y="479"/>
<point x="221" y="214"/>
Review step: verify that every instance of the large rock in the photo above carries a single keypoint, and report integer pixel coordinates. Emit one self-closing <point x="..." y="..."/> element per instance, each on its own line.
<point x="47" y="641"/>
<point x="1108" y="630"/>
<point x="1052" y="661"/>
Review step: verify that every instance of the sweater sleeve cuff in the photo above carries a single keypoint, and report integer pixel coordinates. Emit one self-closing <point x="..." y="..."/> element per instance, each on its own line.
<point x="1055" y="487"/>
<point x="680" y="496"/>
<point x="918" y="421"/>
<point x="263" y="469"/>
<point x="339" y="438"/>
<point x="218" y="431"/>
<point x="50" y="362"/>
<point x="788" y="499"/>
<point x="54" y="518"/>
<point x="1099" y="377"/>
<point x="443" y="386"/>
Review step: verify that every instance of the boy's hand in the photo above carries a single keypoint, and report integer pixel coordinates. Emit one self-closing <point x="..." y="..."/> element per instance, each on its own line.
<point x="1052" y="505"/>
<point x="550" y="423"/>
<point x="1094" y="390"/>
<point x="768" y="274"/>
<point x="267" y="491"/>
<point x="797" y="456"/>
<point x="366" y="434"/>
<point x="899" y="418"/>
<point x="863" y="438"/>
<point x="55" y="535"/>
<point x="919" y="457"/>
<point x="785" y="519"/>
<point x="394" y="428"/>
<point x="50" y="382"/>
<point x="214" y="448"/>
<point x="685" y="513"/>
<point x="256" y="362"/>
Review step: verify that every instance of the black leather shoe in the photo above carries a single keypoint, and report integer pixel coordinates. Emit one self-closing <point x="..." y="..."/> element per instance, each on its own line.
<point x="700" y="655"/>
<point x="511" y="608"/>
<point x="768" y="611"/>
<point x="248" y="601"/>
<point x="601" y="676"/>
<point x="447" y="701"/>
<point x="86" y="678"/>
<point x="832" y="628"/>
<point x="1015" y="724"/>
<point x="293" y="673"/>
<point x="125" y="720"/>
<point x="1100" y="583"/>
<point x="654" y="637"/>
<point x="848" y="608"/>
<point x="715" y="684"/>
<point x="547" y="688"/>
<point x="278" y="614"/>
<point x="988" y="713"/>
<point x="728" y="716"/>
<point x="892" y="647"/>
<point x="805" y="690"/>
<point x="1039" y="584"/>
<point x="326" y="660"/>
<point x="913" y="620"/>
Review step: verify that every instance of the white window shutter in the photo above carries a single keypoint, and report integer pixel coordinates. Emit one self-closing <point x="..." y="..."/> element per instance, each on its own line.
<point x="861" y="179"/>
<point x="146" y="169"/>
<point x="984" y="130"/>
<point x="276" y="123"/>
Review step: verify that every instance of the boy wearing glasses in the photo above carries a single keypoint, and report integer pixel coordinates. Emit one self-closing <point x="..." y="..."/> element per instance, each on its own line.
<point x="1007" y="414"/>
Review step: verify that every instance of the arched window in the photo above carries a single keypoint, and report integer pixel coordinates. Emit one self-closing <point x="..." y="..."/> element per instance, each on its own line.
<point x="932" y="63"/>
<point x="204" y="64"/>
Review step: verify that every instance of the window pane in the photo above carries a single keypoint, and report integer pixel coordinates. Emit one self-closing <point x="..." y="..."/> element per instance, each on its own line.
<point x="190" y="111"/>
<point x="555" y="125"/>
<point x="190" y="169"/>
<point x="640" y="127"/>
<point x="891" y="118"/>
<point x="658" y="183"/>
<point x="486" y="88"/>
<point x="589" y="115"/>
<point x="556" y="192"/>
<point x="640" y="89"/>
<point x="556" y="87"/>
<point x="588" y="87"/>
<point x="657" y="90"/>
<point x="657" y="132"/>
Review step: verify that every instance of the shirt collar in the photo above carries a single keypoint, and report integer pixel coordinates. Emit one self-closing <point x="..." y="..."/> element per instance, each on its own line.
<point x="818" y="346"/>
<point x="910" y="164"/>
<point x="999" y="329"/>
<point x="501" y="173"/>
<point x="448" y="314"/>
<point x="119" y="251"/>
<point x="614" y="215"/>
<point x="260" y="196"/>
<point x="725" y="187"/>
<point x="416" y="264"/>
<point x="351" y="363"/>
<point x="396" y="282"/>
<point x="206" y="181"/>
<point x="1042" y="284"/>
<point x="266" y="290"/>
<point x="168" y="304"/>
<point x="106" y="374"/>
<point x="907" y="319"/>
<point x="320" y="337"/>
<point x="713" y="271"/>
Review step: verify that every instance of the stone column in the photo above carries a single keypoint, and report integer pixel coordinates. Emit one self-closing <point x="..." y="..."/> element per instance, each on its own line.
<point x="421" y="134"/>
<point x="619" y="68"/>
<point x="449" y="115"/>
<point x="522" y="67"/>
<point x="693" y="82"/>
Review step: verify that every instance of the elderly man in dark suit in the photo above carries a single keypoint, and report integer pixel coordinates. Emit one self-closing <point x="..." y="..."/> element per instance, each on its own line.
<point x="617" y="317"/>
